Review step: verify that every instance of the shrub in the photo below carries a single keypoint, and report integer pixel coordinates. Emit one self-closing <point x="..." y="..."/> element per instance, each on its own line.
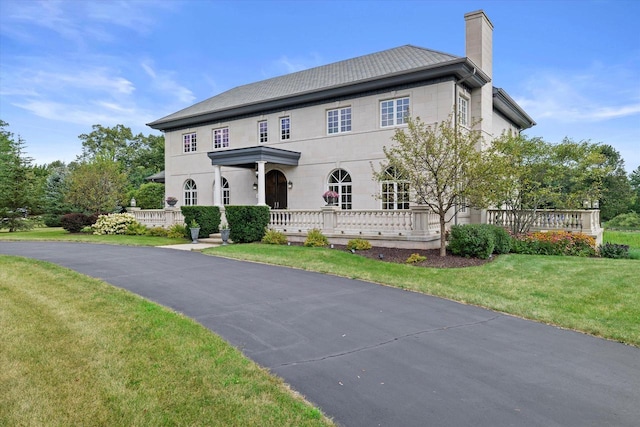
<point x="150" y="196"/>
<point x="75" y="222"/>
<point x="415" y="258"/>
<point x="157" y="232"/>
<point x="358" y="244"/>
<point x="502" y="239"/>
<point x="136" y="229"/>
<point x="52" y="220"/>
<point x="474" y="240"/>
<point x="614" y="250"/>
<point x="273" y="237"/>
<point x="208" y="217"/>
<point x="177" y="231"/>
<point x="248" y="223"/>
<point x="315" y="238"/>
<point x="114" y="223"/>
<point x="630" y="221"/>
<point x="555" y="243"/>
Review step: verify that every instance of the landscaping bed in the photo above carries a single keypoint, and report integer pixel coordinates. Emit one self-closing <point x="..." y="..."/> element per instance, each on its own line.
<point x="399" y="256"/>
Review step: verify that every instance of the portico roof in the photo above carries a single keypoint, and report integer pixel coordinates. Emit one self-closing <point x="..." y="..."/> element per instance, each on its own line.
<point x="249" y="156"/>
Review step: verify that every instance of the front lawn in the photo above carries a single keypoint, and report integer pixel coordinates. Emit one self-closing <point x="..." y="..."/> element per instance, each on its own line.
<point x="76" y="351"/>
<point x="61" y="235"/>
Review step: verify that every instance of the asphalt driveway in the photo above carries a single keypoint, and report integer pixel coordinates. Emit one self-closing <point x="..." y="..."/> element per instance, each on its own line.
<point x="370" y="355"/>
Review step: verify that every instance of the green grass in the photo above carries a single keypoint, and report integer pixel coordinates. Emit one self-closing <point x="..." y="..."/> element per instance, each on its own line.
<point x="76" y="351"/>
<point x="59" y="234"/>
<point x="594" y="295"/>
<point x="631" y="238"/>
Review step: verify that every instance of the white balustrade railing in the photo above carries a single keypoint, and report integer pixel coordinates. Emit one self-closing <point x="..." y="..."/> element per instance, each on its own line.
<point x="294" y="220"/>
<point x="158" y="217"/>
<point x="586" y="221"/>
<point x="373" y="221"/>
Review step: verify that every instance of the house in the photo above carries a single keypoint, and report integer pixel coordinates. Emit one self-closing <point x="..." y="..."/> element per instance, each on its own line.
<point x="284" y="141"/>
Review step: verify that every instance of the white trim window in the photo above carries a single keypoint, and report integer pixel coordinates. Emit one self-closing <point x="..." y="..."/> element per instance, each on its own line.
<point x="340" y="182"/>
<point x="463" y="111"/>
<point x="190" y="193"/>
<point x="339" y="120"/>
<point x="394" y="112"/>
<point x="394" y="191"/>
<point x="189" y="142"/>
<point x="285" y="128"/>
<point x="221" y="138"/>
<point x="263" y="134"/>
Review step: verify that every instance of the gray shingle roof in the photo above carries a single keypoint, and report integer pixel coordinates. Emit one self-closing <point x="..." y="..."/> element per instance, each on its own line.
<point x="368" y="67"/>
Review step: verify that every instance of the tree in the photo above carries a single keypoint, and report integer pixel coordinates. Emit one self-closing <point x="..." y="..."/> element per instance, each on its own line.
<point x="634" y="180"/>
<point x="18" y="183"/>
<point x="521" y="178"/>
<point x="150" y="196"/>
<point x="441" y="164"/>
<point x="617" y="194"/>
<point x="528" y="174"/>
<point x="98" y="186"/>
<point x="138" y="155"/>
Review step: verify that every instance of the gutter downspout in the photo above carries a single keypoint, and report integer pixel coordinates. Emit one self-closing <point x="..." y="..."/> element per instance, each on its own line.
<point x="455" y="123"/>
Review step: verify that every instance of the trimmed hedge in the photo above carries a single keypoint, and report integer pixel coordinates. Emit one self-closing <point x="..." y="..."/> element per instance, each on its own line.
<point x="247" y="223"/>
<point x="473" y="240"/>
<point x="502" y="239"/>
<point x="208" y="217"/>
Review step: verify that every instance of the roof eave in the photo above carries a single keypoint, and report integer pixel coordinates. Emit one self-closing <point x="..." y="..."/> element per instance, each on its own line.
<point x="507" y="106"/>
<point x="458" y="69"/>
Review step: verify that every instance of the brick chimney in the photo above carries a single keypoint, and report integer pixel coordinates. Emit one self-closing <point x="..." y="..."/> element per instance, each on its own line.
<point x="479" y="49"/>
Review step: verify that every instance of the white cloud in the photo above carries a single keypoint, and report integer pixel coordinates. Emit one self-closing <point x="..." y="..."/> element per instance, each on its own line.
<point x="164" y="81"/>
<point x="599" y="94"/>
<point x="287" y="65"/>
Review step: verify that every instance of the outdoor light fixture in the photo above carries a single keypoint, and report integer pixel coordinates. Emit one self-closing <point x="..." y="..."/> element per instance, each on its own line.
<point x="381" y="256"/>
<point x="290" y="185"/>
<point x="255" y="186"/>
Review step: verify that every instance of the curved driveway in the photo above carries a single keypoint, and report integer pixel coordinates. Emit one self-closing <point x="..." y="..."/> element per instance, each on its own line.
<point x="371" y="355"/>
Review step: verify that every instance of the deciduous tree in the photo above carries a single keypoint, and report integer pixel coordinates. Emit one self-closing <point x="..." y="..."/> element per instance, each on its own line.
<point x="442" y="165"/>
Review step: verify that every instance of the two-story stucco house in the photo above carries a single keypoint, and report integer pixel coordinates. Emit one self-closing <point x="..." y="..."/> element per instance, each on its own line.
<point x="284" y="141"/>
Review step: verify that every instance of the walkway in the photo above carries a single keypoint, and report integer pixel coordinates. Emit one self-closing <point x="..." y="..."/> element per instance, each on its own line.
<point x="371" y="355"/>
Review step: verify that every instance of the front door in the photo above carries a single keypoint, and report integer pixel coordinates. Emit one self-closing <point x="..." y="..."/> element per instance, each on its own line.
<point x="276" y="190"/>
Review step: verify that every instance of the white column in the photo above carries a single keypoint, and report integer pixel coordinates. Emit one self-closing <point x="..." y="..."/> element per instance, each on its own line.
<point x="217" y="186"/>
<point x="261" y="184"/>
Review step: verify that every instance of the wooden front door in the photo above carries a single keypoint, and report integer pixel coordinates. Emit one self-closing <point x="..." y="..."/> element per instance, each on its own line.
<point x="276" y="190"/>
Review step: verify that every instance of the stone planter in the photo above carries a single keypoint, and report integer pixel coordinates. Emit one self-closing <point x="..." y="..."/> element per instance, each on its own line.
<point x="194" y="234"/>
<point x="224" y="235"/>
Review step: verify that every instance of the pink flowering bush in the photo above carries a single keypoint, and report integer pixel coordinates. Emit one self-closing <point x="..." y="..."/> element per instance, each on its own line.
<point x="555" y="243"/>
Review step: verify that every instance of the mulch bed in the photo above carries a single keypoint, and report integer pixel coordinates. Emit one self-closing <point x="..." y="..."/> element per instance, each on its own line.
<point x="434" y="259"/>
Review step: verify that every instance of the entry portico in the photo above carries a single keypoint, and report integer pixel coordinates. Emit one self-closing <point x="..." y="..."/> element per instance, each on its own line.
<point x="254" y="158"/>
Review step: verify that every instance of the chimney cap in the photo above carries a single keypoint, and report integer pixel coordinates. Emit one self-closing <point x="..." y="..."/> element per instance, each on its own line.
<point x="478" y="13"/>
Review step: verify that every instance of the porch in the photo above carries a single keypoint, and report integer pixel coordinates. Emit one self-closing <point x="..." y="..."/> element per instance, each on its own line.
<point x="415" y="228"/>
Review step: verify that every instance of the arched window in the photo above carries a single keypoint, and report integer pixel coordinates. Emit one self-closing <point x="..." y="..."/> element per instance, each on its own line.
<point x="225" y="191"/>
<point x="340" y="182"/>
<point x="395" y="190"/>
<point x="190" y="193"/>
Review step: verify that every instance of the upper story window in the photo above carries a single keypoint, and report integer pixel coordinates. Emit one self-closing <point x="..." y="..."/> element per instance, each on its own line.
<point x="285" y="128"/>
<point x="395" y="190"/>
<point x="221" y="138"/>
<point x="190" y="193"/>
<point x="263" y="134"/>
<point x="394" y="112"/>
<point x="463" y="111"/>
<point x="189" y="142"/>
<point x="339" y="120"/>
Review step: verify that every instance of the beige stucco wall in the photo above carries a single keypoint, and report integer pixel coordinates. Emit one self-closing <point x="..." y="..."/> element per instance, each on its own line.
<point x="353" y="151"/>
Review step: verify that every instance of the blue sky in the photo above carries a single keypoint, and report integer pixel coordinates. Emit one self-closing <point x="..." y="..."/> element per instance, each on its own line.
<point x="66" y="65"/>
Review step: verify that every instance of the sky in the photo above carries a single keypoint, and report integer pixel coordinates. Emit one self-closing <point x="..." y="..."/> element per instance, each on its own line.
<point x="574" y="66"/>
